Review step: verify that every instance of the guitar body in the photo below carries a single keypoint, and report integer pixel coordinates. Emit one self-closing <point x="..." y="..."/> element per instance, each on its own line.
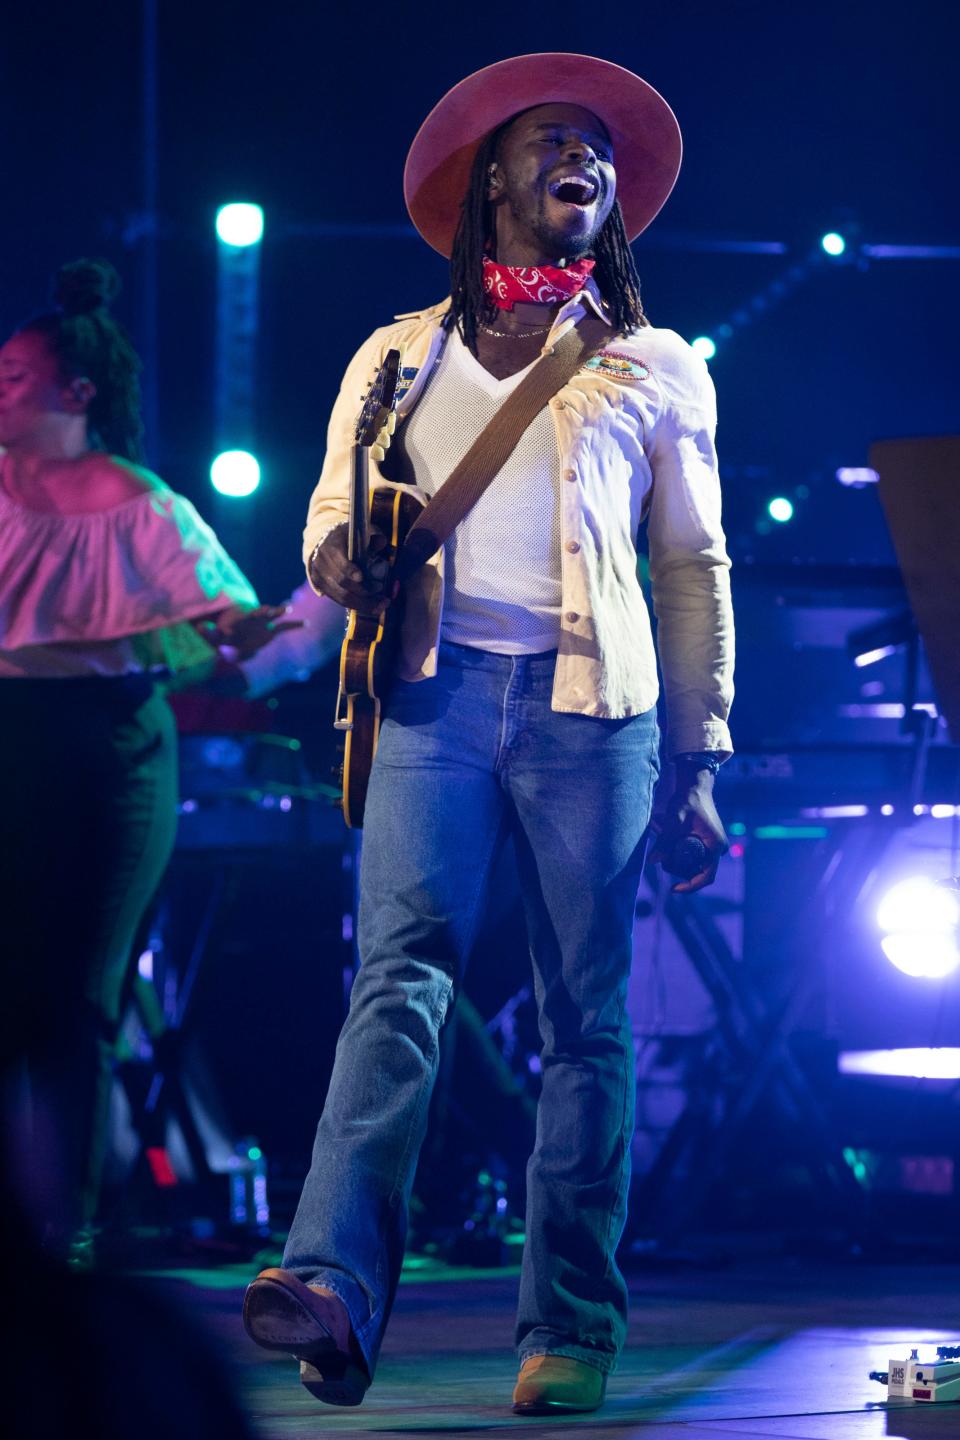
<point x="368" y="657"/>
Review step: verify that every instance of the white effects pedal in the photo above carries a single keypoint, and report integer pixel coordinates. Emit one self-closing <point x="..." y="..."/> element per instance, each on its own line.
<point x="925" y="1380"/>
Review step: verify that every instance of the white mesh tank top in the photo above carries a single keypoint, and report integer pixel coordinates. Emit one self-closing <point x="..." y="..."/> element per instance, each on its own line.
<point x="503" y="560"/>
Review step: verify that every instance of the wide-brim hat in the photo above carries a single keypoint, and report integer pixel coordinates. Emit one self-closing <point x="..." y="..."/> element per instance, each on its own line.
<point x="643" y="128"/>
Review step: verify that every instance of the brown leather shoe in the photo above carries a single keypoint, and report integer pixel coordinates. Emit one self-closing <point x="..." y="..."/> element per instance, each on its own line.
<point x="310" y="1322"/>
<point x="551" y="1384"/>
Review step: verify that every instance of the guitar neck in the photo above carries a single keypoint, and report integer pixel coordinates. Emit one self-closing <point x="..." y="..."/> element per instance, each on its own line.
<point x="358" y="536"/>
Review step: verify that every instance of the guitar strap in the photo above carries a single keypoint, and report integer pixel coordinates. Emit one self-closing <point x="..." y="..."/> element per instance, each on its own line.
<point x="496" y="443"/>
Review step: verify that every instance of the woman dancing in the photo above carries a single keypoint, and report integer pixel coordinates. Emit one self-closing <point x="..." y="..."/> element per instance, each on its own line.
<point x="108" y="581"/>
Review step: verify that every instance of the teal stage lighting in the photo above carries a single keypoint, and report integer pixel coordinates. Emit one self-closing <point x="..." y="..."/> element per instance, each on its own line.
<point x="833" y="244"/>
<point x="240" y="225"/>
<point x="235" y="473"/>
<point x="780" y="509"/>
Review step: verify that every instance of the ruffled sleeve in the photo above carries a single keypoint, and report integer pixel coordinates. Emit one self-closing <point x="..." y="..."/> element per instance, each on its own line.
<point x="146" y="565"/>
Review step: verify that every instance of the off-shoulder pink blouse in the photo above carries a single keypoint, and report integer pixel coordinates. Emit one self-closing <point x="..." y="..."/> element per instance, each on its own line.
<point x="109" y="591"/>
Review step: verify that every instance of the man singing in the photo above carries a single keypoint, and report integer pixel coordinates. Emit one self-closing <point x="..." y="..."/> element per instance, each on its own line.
<point x="525" y="702"/>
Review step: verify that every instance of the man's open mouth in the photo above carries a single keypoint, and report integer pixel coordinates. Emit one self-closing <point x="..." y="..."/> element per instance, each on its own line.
<point x="574" y="189"/>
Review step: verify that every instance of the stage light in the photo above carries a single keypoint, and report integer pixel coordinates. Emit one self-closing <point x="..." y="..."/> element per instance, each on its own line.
<point x="833" y="244"/>
<point x="922" y="957"/>
<point x="791" y="832"/>
<point x="240" y="225"/>
<point x="919" y="905"/>
<point x="235" y="473"/>
<point x="704" y="347"/>
<point x="922" y="921"/>
<point x="780" y="509"/>
<point x="858" y="1163"/>
<point x="884" y="711"/>
<point x="835" y="812"/>
<point x="873" y="642"/>
<point x="909" y="1063"/>
<point x="870" y="657"/>
<point x="857" y="476"/>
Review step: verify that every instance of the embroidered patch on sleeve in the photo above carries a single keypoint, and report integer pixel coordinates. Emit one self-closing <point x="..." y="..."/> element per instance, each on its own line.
<point x="618" y="366"/>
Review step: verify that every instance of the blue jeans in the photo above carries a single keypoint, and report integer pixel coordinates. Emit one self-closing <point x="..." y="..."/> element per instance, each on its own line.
<point x="463" y="759"/>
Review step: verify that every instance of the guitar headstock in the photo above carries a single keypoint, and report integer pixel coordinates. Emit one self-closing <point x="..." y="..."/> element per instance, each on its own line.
<point x="378" y="418"/>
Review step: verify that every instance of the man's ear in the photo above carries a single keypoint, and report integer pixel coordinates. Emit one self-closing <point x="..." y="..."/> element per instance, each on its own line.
<point x="79" y="395"/>
<point x="494" y="182"/>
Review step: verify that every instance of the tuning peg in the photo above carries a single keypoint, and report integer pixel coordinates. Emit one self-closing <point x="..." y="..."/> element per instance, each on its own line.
<point x="391" y="422"/>
<point x="378" y="453"/>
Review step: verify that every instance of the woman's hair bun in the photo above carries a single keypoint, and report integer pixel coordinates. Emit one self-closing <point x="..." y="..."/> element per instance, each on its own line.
<point x="82" y="286"/>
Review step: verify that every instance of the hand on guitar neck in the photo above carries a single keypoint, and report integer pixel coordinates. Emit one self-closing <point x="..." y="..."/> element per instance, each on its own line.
<point x="337" y="576"/>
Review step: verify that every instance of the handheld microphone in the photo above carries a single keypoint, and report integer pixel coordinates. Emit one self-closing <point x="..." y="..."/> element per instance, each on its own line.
<point x="688" y="857"/>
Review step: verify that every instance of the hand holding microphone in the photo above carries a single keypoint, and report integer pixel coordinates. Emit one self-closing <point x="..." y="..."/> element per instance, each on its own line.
<point x="690" y="834"/>
<point x="687" y="858"/>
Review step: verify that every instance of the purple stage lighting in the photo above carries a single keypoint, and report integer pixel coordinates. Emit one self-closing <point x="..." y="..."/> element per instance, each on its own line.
<point x="922" y="925"/>
<point x="857" y="476"/>
<point x="870" y="657"/>
<point x="910" y="1063"/>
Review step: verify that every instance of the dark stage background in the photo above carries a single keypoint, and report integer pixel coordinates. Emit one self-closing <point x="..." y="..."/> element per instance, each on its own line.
<point x="798" y="120"/>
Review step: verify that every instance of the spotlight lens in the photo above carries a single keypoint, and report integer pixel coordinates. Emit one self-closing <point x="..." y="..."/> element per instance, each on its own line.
<point x="923" y="957"/>
<point x="236" y="473"/>
<point x="918" y="908"/>
<point x="780" y="509"/>
<point x="833" y="243"/>
<point x="240" y="225"/>
<point x="704" y="347"/>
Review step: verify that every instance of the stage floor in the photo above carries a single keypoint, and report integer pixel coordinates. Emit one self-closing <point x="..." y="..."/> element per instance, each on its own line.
<point x="759" y="1348"/>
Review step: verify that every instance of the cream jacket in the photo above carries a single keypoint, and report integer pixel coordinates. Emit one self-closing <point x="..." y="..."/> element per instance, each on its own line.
<point x="635" y="431"/>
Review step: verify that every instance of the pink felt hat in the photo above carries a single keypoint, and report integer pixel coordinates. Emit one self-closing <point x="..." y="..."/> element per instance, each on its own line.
<point x="643" y="128"/>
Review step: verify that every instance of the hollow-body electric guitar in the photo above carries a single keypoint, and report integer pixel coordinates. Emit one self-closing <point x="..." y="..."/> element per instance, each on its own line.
<point x="369" y="648"/>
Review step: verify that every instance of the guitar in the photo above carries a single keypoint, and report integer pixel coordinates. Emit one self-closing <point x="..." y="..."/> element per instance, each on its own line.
<point x="371" y="641"/>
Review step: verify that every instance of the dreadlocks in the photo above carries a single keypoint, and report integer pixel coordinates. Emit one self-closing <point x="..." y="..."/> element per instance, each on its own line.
<point x="87" y="341"/>
<point x="615" y="271"/>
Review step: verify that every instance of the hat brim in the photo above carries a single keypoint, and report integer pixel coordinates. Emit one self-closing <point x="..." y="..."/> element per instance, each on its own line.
<point x="646" y="137"/>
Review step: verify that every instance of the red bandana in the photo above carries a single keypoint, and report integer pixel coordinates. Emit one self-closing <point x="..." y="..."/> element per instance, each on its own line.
<point x="540" y="284"/>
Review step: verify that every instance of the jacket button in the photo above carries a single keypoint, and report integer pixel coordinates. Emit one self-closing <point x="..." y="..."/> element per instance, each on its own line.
<point x="570" y="475"/>
<point x="573" y="546"/>
<point x="572" y="616"/>
<point x="560" y="404"/>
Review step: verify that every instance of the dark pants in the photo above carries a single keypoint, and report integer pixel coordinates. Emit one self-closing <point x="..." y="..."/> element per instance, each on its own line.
<point x="87" y="821"/>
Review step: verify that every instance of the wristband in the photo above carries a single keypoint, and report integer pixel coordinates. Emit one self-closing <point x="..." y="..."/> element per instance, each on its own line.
<point x="700" y="759"/>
